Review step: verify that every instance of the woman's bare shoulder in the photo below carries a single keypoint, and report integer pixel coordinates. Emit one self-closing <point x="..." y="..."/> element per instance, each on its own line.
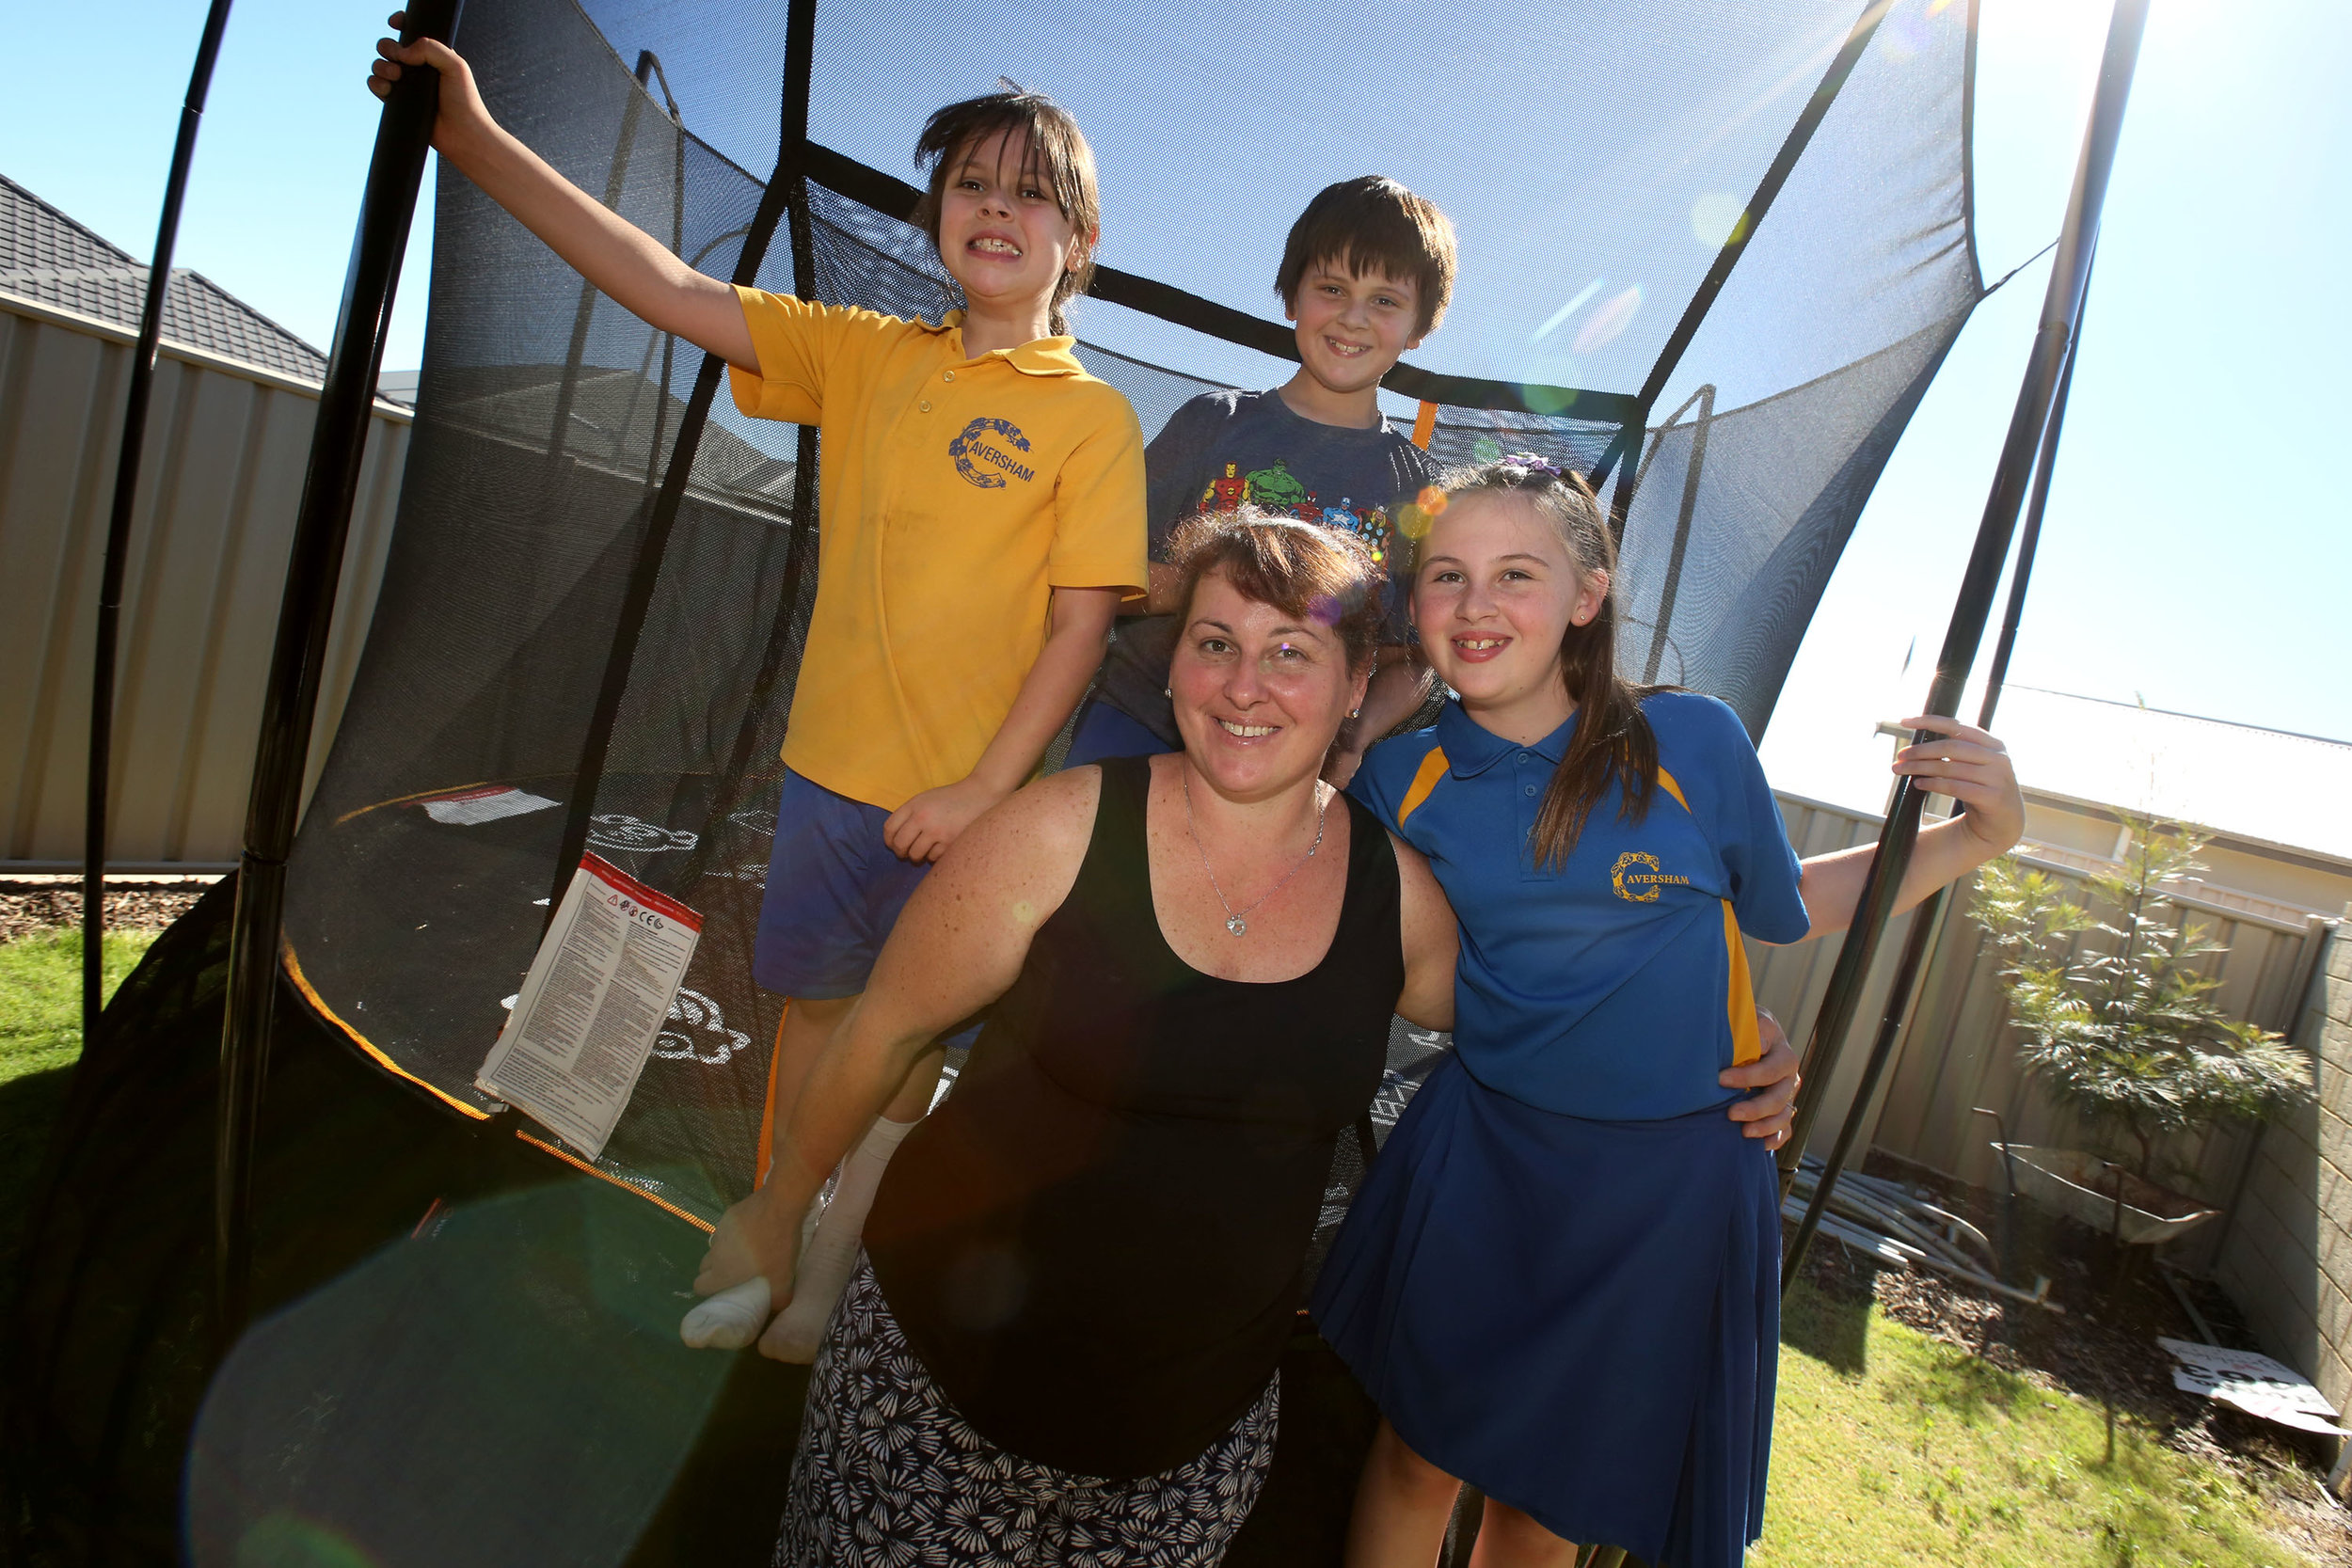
<point x="1037" y="833"/>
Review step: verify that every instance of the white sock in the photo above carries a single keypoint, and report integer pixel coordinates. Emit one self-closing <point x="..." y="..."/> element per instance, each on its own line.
<point x="733" y="1318"/>
<point x="729" y="1320"/>
<point x="831" y="1258"/>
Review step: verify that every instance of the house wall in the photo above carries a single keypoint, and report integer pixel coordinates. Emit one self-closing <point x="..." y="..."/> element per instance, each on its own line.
<point x="2288" y="1260"/>
<point x="220" y="481"/>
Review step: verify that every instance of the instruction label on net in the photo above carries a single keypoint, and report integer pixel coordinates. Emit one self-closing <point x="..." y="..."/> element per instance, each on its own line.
<point x="587" y="1017"/>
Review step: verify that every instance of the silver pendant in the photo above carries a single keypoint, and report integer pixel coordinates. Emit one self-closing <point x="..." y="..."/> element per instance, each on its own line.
<point x="1236" y="924"/>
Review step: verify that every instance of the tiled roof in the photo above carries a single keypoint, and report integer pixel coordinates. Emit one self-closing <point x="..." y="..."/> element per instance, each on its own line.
<point x="47" y="257"/>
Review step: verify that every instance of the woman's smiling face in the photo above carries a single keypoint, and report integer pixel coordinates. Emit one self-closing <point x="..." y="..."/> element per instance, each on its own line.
<point x="1259" y="693"/>
<point x="1494" y="593"/>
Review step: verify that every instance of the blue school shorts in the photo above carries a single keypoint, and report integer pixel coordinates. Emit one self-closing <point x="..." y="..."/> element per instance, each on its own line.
<point x="835" y="890"/>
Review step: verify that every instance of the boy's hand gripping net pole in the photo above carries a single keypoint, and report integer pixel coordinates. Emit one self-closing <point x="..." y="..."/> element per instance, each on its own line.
<point x="2061" y="308"/>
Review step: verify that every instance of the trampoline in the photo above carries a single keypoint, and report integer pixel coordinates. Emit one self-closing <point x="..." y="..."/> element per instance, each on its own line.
<point x="1713" y="256"/>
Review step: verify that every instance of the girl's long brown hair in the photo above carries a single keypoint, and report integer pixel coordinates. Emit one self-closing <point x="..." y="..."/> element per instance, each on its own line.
<point x="1611" y="739"/>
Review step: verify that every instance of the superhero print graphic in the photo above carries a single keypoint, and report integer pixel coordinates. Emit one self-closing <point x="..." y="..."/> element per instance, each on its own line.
<point x="1226" y="492"/>
<point x="1274" y="488"/>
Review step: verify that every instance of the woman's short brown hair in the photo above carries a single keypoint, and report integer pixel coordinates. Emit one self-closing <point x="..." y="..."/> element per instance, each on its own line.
<point x="1302" y="569"/>
<point x="1058" y="152"/>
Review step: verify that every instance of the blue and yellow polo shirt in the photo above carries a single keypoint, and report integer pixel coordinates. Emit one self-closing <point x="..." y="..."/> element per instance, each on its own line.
<point x="1614" y="987"/>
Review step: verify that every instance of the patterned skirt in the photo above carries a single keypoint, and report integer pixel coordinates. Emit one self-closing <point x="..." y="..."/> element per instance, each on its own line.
<point x="888" y="1474"/>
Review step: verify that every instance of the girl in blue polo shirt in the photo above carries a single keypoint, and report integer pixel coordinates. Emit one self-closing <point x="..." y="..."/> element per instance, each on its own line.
<point x="1561" y="1281"/>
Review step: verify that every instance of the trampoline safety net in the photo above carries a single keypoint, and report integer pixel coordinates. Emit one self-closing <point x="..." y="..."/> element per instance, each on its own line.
<point x="565" y="641"/>
<point x="591" y="619"/>
<point x="548" y="416"/>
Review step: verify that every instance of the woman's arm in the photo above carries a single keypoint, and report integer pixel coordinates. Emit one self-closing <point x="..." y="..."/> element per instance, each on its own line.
<point x="1432" y="941"/>
<point x="623" y="261"/>
<point x="1966" y="763"/>
<point x="958" y="945"/>
<point x="1772" y="1110"/>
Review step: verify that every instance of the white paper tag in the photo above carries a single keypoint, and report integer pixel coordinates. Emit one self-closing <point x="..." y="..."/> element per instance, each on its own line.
<point x="596" y="998"/>
<point x="470" y="807"/>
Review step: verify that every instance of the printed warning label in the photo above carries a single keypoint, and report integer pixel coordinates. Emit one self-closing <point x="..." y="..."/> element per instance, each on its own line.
<point x="598" y="995"/>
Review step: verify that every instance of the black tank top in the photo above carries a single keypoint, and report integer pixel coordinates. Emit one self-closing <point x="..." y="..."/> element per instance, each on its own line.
<point x="1095" y="1242"/>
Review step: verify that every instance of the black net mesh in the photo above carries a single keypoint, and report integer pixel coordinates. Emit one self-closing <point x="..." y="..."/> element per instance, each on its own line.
<point x="547" y="419"/>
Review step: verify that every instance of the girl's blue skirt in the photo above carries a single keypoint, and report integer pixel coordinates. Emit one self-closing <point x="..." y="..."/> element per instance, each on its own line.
<point x="1581" y="1319"/>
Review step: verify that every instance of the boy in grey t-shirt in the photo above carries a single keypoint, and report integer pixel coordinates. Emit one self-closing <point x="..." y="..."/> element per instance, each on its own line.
<point x="1366" y="274"/>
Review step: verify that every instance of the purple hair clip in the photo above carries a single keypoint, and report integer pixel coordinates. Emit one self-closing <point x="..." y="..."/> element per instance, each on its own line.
<point x="1528" y="463"/>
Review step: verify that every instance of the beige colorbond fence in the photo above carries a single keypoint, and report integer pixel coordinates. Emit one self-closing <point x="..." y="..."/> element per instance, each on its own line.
<point x="1955" y="1050"/>
<point x="219" y="480"/>
<point x="2283" y="1246"/>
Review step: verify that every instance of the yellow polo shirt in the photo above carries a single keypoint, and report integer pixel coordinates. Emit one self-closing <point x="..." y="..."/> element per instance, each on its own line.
<point x="957" y="493"/>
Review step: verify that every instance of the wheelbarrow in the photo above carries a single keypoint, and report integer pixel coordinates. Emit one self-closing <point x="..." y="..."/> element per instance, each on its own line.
<point x="2083" y="1186"/>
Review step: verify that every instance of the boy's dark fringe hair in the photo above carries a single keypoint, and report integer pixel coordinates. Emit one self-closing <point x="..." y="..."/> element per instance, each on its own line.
<point x="1370" y="223"/>
<point x="1057" y="152"/>
<point x="1613" y="738"/>
<point x="1303" y="569"/>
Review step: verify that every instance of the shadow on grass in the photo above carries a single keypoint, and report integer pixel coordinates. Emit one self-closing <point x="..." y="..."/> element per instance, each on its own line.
<point x="1832" y="1326"/>
<point x="29" y="1107"/>
<point x="1961" y="1385"/>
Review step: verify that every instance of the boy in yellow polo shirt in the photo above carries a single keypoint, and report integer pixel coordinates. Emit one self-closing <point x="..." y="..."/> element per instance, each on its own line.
<point x="981" y="519"/>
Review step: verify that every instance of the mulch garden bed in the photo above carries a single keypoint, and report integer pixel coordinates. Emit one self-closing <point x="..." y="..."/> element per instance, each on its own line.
<point x="27" y="906"/>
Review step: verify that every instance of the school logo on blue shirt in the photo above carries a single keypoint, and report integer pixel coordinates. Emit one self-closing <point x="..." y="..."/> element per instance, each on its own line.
<point x="984" y="454"/>
<point x="1638" y="880"/>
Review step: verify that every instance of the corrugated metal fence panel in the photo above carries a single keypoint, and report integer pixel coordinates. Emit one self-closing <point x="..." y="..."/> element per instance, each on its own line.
<point x="218" y="485"/>
<point x="1790" y="981"/>
<point x="1956" y="1050"/>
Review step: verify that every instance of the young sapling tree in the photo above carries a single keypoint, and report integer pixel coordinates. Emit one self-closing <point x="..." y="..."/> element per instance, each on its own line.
<point x="2126" y="1031"/>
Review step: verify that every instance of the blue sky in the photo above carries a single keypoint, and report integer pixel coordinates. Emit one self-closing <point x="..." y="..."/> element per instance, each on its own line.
<point x="2195" y="553"/>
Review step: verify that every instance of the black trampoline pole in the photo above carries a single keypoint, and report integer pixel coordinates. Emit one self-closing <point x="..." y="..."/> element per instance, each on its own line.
<point x="2062" y="306"/>
<point x="2029" y="538"/>
<point x="1926" y="920"/>
<point x="314" y="564"/>
<point x="101" y="698"/>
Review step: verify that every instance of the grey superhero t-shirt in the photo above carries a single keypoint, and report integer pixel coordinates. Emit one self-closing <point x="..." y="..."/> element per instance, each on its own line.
<point x="1223" y="449"/>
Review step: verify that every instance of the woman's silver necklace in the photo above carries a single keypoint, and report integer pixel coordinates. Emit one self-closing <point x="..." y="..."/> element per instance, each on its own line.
<point x="1237" y="921"/>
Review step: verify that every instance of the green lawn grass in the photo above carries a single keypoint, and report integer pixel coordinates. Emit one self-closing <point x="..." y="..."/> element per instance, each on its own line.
<point x="1891" y="1448"/>
<point x="41" y="1035"/>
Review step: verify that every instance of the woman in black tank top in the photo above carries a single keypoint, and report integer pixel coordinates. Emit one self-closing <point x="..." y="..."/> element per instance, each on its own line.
<point x="1083" y="1267"/>
<point x="1094" y="1244"/>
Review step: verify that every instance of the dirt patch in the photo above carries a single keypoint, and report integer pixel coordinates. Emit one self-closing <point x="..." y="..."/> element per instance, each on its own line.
<point x="2102" y="1346"/>
<point x="29" y="907"/>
